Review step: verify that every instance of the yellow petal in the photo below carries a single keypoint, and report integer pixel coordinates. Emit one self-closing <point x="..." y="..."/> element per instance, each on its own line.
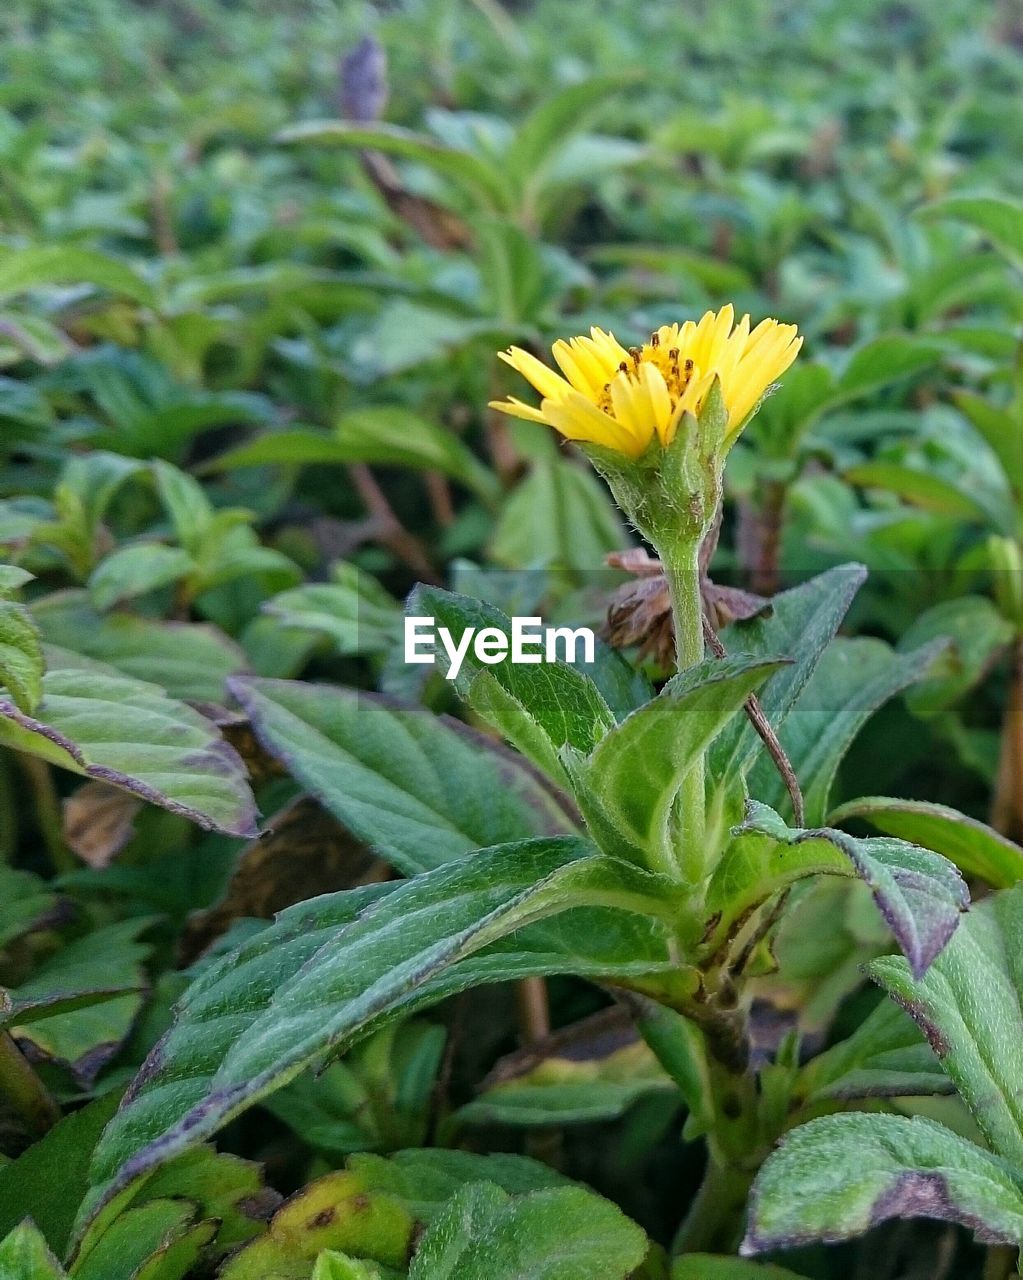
<point x="600" y="358"/>
<point x="732" y="351"/>
<point x="627" y="406"/>
<point x="580" y="367"/>
<point x="608" y="348"/>
<point x="699" y="347"/>
<point x="657" y="399"/>
<point x="578" y="419"/>
<point x="718" y="337"/>
<point x="546" y="381"/>
<point x="516" y="409"/>
<point x="756" y="372"/>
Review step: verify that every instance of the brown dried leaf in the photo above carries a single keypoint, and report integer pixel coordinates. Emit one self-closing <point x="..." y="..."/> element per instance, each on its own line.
<point x="304" y="852"/>
<point x="99" y="820"/>
<point x="639" y="612"/>
<point x="592" y="1039"/>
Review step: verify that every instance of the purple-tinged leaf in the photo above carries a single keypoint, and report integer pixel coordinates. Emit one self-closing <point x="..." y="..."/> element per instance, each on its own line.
<point x="334" y="969"/>
<point x="100" y="723"/>
<point x="968" y="1007"/>
<point x="920" y="895"/>
<point x="974" y="847"/>
<point x="840" y="1175"/>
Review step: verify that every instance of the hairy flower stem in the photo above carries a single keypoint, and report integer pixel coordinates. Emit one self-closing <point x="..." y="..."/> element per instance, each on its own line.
<point x="682" y="572"/>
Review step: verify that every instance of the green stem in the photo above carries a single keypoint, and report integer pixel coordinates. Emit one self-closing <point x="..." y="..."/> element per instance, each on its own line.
<point x="682" y="572"/>
<point x="48" y="814"/>
<point x="23" y="1089"/>
<point x="713" y="1223"/>
<point x="8" y="809"/>
<point x="1000" y="1262"/>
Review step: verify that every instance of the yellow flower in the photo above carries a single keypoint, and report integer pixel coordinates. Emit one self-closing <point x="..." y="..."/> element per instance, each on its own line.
<point x="621" y="398"/>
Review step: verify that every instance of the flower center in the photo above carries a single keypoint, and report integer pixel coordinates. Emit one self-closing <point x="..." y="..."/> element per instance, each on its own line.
<point x="676" y="372"/>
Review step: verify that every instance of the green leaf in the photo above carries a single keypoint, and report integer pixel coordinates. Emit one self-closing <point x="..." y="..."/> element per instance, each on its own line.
<point x="396" y="437"/>
<point x="976" y="633"/>
<point x="511" y="267"/>
<point x="800" y="624"/>
<point x="25" y="1256"/>
<point x="540" y="708"/>
<point x="567" y="1233"/>
<point x="21" y="656"/>
<point x="855" y="677"/>
<point x="921" y="488"/>
<point x="968" y="1006"/>
<point x="88" y="485"/>
<point x="390" y="436"/>
<point x="239" y="555"/>
<point x="920" y="895"/>
<point x="218" y="1185"/>
<point x="371" y="1209"/>
<point x="295" y="447"/>
<point x="571" y="1085"/>
<point x="177" y="1255"/>
<point x="29" y="1187"/>
<point x="137" y="1236"/>
<point x="418" y="789"/>
<point x="585" y="160"/>
<point x="974" y="847"/>
<point x="354" y="610"/>
<point x="999" y="220"/>
<point x="225" y="1193"/>
<point x="476" y="175"/>
<point x="95" y="479"/>
<point x="26" y="904"/>
<point x="829" y="930"/>
<point x="840" y="1175"/>
<point x="135" y="570"/>
<point x="186" y="503"/>
<point x="77" y="1008"/>
<point x="546" y="1106"/>
<point x="104" y="725"/>
<point x="705" y="1266"/>
<point x="12" y="578"/>
<point x="22" y="269"/>
<point x="425" y="1179"/>
<point x="781" y="423"/>
<point x="1002" y="430"/>
<point x="628" y="786"/>
<point x="881" y="361"/>
<point x="334" y="969"/>
<point x="547" y="127"/>
<point x="407" y="334"/>
<point x="190" y="660"/>
<point x="623" y="687"/>
<point x="380" y="1098"/>
<point x="886" y="1056"/>
<point x="338" y="1266"/>
<point x="559" y="517"/>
